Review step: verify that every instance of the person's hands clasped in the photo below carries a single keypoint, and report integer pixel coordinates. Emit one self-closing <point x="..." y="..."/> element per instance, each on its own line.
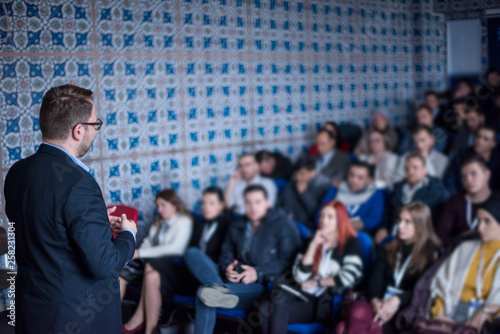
<point x="477" y="320"/>
<point x="387" y="310"/>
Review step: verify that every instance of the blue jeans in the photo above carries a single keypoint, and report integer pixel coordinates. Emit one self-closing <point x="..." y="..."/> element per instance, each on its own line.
<point x="207" y="272"/>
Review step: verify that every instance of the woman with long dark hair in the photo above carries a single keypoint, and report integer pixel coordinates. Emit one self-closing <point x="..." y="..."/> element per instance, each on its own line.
<point x="168" y="236"/>
<point x="395" y="273"/>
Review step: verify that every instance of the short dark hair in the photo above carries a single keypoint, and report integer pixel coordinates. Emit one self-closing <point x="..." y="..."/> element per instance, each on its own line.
<point x="475" y="158"/>
<point x="330" y="134"/>
<point x="430" y="92"/>
<point x="255" y="188"/>
<point x="416" y="155"/>
<point x="466" y="81"/>
<point x="308" y="163"/>
<point x="488" y="128"/>
<point x="491" y="70"/>
<point x="246" y="154"/>
<point x="214" y="190"/>
<point x="264" y="156"/>
<point x="62" y="108"/>
<point x="424" y="107"/>
<point x="362" y="164"/>
<point x="475" y="110"/>
<point x="419" y="128"/>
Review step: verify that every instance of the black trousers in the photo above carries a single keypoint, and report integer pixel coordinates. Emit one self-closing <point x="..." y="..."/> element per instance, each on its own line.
<point x="280" y="308"/>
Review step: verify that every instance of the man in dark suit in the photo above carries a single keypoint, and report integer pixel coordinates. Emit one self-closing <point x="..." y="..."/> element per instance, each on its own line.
<point x="68" y="263"/>
<point x="331" y="162"/>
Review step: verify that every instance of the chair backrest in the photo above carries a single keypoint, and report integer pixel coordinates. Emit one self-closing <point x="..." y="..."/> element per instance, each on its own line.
<point x="280" y="184"/>
<point x="129" y="211"/>
<point x="368" y="252"/>
<point x="305" y="233"/>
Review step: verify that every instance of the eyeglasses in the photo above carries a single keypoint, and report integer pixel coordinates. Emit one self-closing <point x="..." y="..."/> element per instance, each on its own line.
<point x="97" y="124"/>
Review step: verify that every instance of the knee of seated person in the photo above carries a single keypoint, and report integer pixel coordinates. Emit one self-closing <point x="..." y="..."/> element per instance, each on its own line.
<point x="152" y="277"/>
<point x="360" y="310"/>
<point x="192" y="252"/>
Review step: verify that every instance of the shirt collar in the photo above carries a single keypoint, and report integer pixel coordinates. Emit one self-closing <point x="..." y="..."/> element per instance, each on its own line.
<point x="327" y="157"/>
<point x="75" y="159"/>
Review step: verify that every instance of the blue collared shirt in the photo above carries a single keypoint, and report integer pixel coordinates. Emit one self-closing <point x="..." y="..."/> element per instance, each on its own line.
<point x="324" y="160"/>
<point x="75" y="159"/>
<point x="84" y="166"/>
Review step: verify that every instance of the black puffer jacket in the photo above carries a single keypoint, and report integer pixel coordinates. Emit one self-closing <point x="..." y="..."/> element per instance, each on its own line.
<point x="274" y="245"/>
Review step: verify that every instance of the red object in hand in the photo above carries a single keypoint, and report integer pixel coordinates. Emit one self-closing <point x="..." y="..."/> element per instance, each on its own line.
<point x="130" y="212"/>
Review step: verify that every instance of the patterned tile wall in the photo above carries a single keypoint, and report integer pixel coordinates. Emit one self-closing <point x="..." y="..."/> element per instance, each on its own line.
<point x="184" y="87"/>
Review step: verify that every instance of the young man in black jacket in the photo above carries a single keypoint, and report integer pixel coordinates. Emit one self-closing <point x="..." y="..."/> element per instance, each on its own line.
<point x="264" y="242"/>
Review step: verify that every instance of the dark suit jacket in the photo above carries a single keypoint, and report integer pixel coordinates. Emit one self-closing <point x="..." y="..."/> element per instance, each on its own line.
<point x="434" y="194"/>
<point x="68" y="264"/>
<point x="214" y="244"/>
<point x="336" y="169"/>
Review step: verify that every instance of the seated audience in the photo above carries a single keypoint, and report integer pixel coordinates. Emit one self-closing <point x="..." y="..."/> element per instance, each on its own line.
<point x="493" y="113"/>
<point x="262" y="243"/>
<point x="424" y="141"/>
<point x="302" y="196"/>
<point x="487" y="91"/>
<point x="248" y="173"/>
<point x="364" y="202"/>
<point x="424" y="118"/>
<point x="395" y="273"/>
<point x="379" y="122"/>
<point x="485" y="145"/>
<point x="464" y="138"/>
<point x="417" y="186"/>
<point x="274" y="165"/>
<point x="466" y="288"/>
<point x="464" y="89"/>
<point x="168" y="236"/>
<point x="459" y="212"/>
<point x="382" y="158"/>
<point x="333" y="259"/>
<point x="331" y="162"/>
<point x="431" y="100"/>
<point x="333" y="128"/>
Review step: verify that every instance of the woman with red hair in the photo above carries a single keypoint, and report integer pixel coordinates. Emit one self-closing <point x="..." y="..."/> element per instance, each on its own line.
<point x="333" y="259"/>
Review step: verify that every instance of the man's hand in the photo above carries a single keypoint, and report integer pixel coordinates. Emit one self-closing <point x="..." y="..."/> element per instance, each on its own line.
<point x="249" y="275"/>
<point x="231" y="274"/>
<point x="128" y="224"/>
<point x="235" y="177"/>
<point x="114" y="221"/>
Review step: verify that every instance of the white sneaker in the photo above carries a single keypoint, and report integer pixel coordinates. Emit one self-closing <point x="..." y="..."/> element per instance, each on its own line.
<point x="218" y="296"/>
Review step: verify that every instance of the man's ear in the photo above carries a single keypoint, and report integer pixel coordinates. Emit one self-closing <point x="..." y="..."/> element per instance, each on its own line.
<point x="488" y="174"/>
<point x="78" y="132"/>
